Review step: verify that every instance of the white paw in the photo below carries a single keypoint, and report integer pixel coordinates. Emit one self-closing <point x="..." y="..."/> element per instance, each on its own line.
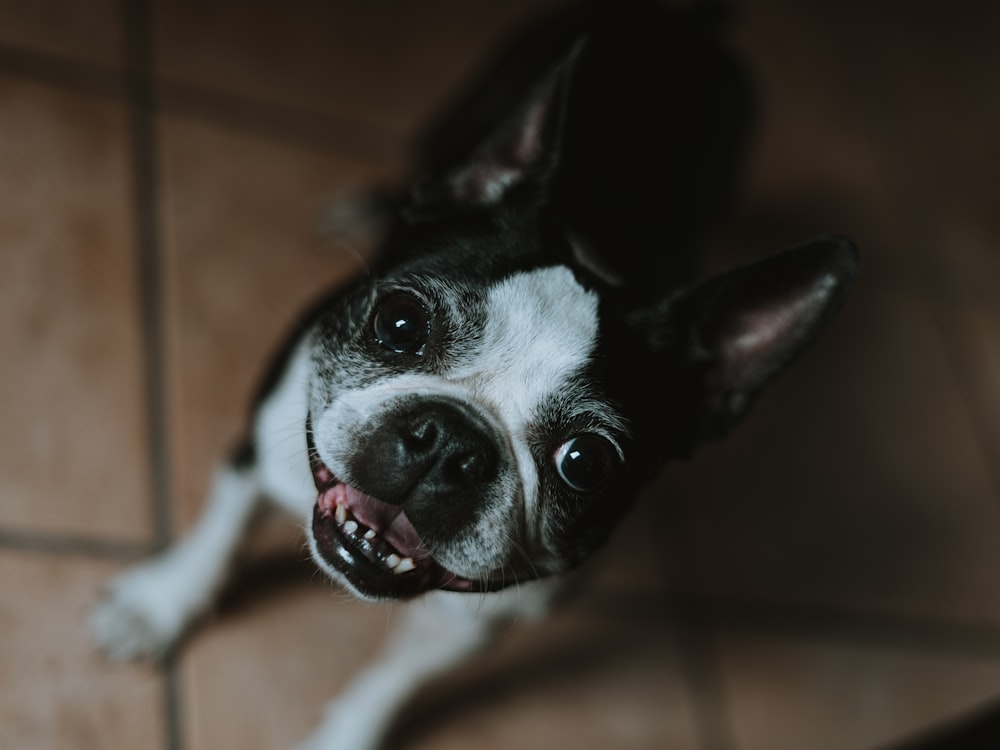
<point x="141" y="615"/>
<point x="351" y="722"/>
<point x="324" y="739"/>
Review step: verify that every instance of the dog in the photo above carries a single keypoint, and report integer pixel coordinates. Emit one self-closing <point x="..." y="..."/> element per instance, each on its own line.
<point x="532" y="345"/>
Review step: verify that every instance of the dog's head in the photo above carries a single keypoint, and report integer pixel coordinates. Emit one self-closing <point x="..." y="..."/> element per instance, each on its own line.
<point x="484" y="410"/>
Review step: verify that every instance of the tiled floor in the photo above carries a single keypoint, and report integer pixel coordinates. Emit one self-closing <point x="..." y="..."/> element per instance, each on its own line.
<point x="828" y="578"/>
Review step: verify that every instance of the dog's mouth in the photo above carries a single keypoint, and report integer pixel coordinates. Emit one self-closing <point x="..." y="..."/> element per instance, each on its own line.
<point x="374" y="545"/>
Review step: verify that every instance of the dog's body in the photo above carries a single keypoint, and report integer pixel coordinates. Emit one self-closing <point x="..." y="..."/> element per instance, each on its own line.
<point x="482" y="408"/>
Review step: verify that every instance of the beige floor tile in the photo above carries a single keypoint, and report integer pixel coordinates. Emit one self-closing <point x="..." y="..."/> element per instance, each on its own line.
<point x="72" y="438"/>
<point x="930" y="81"/>
<point x="983" y="328"/>
<point x="259" y="675"/>
<point x="857" y="482"/>
<point x="974" y="331"/>
<point x="810" y="150"/>
<point x="56" y="693"/>
<point x="88" y="31"/>
<point x="962" y="259"/>
<point x="642" y="556"/>
<point x="938" y="113"/>
<point x="872" y="110"/>
<point x="790" y="694"/>
<point x="386" y="64"/>
<point x="860" y="480"/>
<point x="243" y="258"/>
<point x="593" y="677"/>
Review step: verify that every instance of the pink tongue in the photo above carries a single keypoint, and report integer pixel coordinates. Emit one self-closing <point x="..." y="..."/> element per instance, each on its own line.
<point x="405" y="538"/>
<point x="388" y="521"/>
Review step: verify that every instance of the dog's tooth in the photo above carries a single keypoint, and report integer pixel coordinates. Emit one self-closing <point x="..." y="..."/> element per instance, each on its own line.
<point x="341" y="513"/>
<point x="393" y="560"/>
<point x="405" y="565"/>
<point x="370" y="534"/>
<point x="351" y="526"/>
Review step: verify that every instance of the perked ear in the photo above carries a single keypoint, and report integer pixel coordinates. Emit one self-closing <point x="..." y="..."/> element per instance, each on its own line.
<point x="523" y="148"/>
<point x="738" y="330"/>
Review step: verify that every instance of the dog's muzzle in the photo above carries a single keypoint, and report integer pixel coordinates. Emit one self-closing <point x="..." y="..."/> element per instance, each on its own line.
<point x="426" y="464"/>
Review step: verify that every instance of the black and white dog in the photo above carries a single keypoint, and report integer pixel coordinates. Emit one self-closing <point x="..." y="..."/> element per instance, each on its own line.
<point x="480" y="410"/>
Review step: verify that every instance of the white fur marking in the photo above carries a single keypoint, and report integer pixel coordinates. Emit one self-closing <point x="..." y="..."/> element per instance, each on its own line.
<point x="541" y="327"/>
<point x="279" y="431"/>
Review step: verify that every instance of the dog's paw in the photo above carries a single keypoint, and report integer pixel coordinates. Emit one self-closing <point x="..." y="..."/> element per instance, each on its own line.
<point x="138" y="618"/>
<point x="335" y="741"/>
<point x="351" y="723"/>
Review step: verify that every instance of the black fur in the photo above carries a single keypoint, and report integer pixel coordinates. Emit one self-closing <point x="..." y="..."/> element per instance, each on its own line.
<point x="618" y="129"/>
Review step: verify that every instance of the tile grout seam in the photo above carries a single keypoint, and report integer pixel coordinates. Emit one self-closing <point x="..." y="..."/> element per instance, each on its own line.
<point x="695" y="636"/>
<point x="71" y="545"/>
<point x="143" y="156"/>
<point x="140" y="90"/>
<point x="781" y="620"/>
<point x="295" y="126"/>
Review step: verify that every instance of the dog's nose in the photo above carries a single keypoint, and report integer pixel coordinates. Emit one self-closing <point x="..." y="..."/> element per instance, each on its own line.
<point x="430" y="452"/>
<point x="442" y="441"/>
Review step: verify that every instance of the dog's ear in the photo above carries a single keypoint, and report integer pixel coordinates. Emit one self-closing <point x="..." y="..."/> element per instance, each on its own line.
<point x="523" y="149"/>
<point x="735" y="332"/>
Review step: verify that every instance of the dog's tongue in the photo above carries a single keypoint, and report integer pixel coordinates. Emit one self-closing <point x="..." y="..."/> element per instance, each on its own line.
<point x="388" y="521"/>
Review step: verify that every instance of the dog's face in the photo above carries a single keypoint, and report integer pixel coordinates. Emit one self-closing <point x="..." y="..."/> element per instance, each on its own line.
<point x="484" y="411"/>
<point x="463" y="427"/>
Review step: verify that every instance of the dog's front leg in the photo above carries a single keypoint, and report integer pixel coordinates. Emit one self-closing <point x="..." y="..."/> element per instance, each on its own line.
<point x="438" y="633"/>
<point x="150" y="606"/>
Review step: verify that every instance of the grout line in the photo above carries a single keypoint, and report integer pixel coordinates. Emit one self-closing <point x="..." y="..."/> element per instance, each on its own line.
<point x="173" y="706"/>
<point x="700" y="671"/>
<point x="960" y="639"/>
<point x="71" y="545"/>
<point x="145" y="179"/>
<point x="882" y="631"/>
<point x="694" y="633"/>
<point x="295" y="126"/>
<point x="82" y="77"/>
<point x="302" y="127"/>
<point x="136" y="20"/>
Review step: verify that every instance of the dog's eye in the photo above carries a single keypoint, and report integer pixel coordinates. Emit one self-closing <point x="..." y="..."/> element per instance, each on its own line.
<point x="586" y="462"/>
<point x="401" y="324"/>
